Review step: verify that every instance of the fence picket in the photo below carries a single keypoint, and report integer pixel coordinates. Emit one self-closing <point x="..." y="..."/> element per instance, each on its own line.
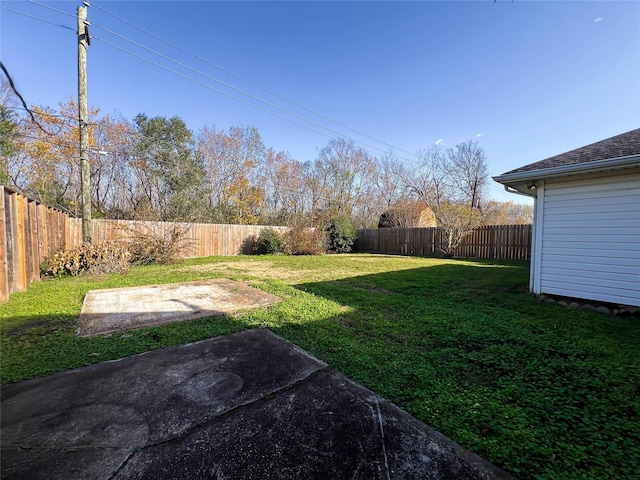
<point x="4" y="279"/>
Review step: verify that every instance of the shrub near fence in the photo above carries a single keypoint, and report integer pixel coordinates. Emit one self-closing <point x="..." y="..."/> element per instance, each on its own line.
<point x="505" y="242"/>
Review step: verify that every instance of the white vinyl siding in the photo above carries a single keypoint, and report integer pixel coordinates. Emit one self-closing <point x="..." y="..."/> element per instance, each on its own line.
<point x="590" y="242"/>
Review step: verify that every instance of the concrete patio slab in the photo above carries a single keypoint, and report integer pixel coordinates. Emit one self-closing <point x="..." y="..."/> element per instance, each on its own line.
<point x="116" y="309"/>
<point x="244" y="406"/>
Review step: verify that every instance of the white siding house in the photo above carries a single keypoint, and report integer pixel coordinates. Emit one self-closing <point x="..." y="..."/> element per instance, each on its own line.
<point x="587" y="220"/>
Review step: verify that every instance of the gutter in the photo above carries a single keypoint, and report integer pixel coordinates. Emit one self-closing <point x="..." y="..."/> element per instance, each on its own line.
<point x="579" y="168"/>
<point x="509" y="189"/>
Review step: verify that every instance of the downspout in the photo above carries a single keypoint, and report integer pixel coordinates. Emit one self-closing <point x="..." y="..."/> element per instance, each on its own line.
<point x="534" y="266"/>
<point x="536" y="241"/>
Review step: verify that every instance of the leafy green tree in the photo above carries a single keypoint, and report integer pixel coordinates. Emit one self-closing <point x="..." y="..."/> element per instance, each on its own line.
<point x="175" y="173"/>
<point x="341" y="235"/>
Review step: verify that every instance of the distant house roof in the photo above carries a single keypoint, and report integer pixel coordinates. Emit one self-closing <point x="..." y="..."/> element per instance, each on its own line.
<point x="623" y="145"/>
<point x="615" y="153"/>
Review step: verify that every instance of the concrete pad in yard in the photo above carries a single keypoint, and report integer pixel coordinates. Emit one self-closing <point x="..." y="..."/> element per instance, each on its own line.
<point x="115" y="309"/>
<point x="244" y="406"/>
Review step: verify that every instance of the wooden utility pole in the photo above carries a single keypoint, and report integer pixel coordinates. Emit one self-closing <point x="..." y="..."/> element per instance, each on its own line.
<point x="85" y="172"/>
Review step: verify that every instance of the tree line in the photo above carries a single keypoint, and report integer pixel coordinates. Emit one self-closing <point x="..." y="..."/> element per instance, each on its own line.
<point x="156" y="168"/>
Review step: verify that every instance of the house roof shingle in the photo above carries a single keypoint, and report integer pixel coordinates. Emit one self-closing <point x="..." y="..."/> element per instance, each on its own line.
<point x="622" y="145"/>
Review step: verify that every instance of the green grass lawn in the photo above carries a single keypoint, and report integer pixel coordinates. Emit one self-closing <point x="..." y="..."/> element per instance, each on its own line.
<point x="537" y="389"/>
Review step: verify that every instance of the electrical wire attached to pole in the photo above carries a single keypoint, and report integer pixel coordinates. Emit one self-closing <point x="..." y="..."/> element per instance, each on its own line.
<point x="253" y="84"/>
<point x="24" y="104"/>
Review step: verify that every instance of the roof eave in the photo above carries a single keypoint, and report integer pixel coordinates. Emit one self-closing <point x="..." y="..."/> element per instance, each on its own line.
<point x="597" y="166"/>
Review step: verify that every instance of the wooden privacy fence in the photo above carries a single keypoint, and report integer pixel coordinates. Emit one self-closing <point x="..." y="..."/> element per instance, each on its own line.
<point x="30" y="231"/>
<point x="506" y="242"/>
<point x="200" y="239"/>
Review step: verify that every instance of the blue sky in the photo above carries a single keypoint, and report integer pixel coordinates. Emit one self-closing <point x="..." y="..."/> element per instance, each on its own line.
<point x="527" y="80"/>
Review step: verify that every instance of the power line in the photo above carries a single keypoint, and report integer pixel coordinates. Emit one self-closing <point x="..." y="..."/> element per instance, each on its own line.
<point x="36" y="18"/>
<point x="233" y="96"/>
<point x="226" y="84"/>
<point x="15" y="90"/>
<point x="97" y="125"/>
<point x="52" y="8"/>
<point x="68" y="143"/>
<point x="177" y="73"/>
<point x="233" y="88"/>
<point x="250" y="82"/>
<point x="209" y="86"/>
<point x="59" y="143"/>
<point x="44" y="114"/>
<point x="206" y="85"/>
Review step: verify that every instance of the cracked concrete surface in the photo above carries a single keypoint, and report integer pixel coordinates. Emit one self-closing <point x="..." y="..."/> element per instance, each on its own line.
<point x="115" y="309"/>
<point x="244" y="406"/>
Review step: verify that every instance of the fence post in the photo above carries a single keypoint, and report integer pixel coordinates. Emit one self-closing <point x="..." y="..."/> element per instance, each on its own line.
<point x="33" y="227"/>
<point x="27" y="246"/>
<point x="19" y="258"/>
<point x="4" y="279"/>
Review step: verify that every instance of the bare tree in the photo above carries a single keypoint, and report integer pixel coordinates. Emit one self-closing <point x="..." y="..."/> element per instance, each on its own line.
<point x="468" y="172"/>
<point x="234" y="162"/>
<point x="284" y="188"/>
<point x="7" y="95"/>
<point x="456" y="221"/>
<point x="45" y="164"/>
<point x="112" y="174"/>
<point x="390" y="184"/>
<point x="428" y="179"/>
<point x="341" y="180"/>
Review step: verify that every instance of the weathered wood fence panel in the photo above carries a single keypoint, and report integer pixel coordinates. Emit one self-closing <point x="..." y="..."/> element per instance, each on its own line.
<point x="201" y="239"/>
<point x="505" y="242"/>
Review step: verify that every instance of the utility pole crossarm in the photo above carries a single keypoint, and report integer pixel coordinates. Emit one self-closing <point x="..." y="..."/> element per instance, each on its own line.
<point x="85" y="172"/>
